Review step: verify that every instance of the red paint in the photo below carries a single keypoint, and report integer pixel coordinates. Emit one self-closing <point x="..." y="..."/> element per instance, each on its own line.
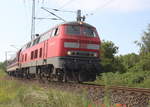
<point x="54" y="46"/>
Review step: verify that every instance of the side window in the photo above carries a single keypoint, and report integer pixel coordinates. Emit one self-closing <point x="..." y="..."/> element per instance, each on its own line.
<point x="28" y="45"/>
<point x="45" y="37"/>
<point x="36" y="54"/>
<point x="36" y="41"/>
<point x="40" y="54"/>
<point x="55" y="32"/>
<point x="22" y="58"/>
<point x="25" y="57"/>
<point x="32" y="55"/>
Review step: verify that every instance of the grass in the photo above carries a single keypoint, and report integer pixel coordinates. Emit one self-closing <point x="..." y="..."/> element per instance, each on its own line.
<point x="131" y="79"/>
<point x="2" y="73"/>
<point x="14" y="93"/>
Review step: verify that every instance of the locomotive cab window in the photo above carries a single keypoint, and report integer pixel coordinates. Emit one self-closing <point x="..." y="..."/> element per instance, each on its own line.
<point x="55" y="32"/>
<point x="87" y="31"/>
<point x="73" y="30"/>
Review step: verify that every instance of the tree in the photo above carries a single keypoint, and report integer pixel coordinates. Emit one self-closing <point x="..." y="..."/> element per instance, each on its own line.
<point x="145" y="42"/>
<point x="109" y="62"/>
<point x="108" y="49"/>
<point x="2" y="65"/>
<point x="129" y="60"/>
<point x="143" y="64"/>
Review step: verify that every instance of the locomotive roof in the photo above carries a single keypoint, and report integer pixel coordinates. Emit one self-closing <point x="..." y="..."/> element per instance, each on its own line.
<point x="77" y="23"/>
<point x="69" y="23"/>
<point x="65" y="23"/>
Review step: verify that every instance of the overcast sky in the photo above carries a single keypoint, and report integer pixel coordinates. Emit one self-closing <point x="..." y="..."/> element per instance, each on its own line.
<point x="119" y="21"/>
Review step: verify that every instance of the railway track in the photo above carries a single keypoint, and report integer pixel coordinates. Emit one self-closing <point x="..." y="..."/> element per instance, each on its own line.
<point x="131" y="97"/>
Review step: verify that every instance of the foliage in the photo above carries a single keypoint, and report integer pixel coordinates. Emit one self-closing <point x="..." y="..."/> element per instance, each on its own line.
<point x="108" y="49"/>
<point x="145" y="42"/>
<point x="9" y="91"/>
<point x="2" y="73"/>
<point x="143" y="64"/>
<point x="129" y="60"/>
<point x="132" y="79"/>
<point x="109" y="62"/>
<point x="2" y="65"/>
<point x="126" y="70"/>
<point x="134" y="69"/>
<point x="14" y="93"/>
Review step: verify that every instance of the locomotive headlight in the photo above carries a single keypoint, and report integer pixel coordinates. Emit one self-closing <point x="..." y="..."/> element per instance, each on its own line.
<point x="95" y="55"/>
<point x="69" y="53"/>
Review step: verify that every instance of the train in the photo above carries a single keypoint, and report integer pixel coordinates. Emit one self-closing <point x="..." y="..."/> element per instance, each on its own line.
<point x="69" y="51"/>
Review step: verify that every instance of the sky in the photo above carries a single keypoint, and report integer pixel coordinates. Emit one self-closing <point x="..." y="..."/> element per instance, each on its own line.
<point x="119" y="21"/>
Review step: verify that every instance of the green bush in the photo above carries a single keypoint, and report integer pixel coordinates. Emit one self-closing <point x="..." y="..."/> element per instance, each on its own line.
<point x="132" y="79"/>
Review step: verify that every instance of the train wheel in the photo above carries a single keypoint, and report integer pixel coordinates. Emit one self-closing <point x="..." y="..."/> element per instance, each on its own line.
<point x="60" y="76"/>
<point x="27" y="74"/>
<point x="75" y="76"/>
<point x="49" y="73"/>
<point x="81" y="76"/>
<point x="65" y="76"/>
<point x="43" y="76"/>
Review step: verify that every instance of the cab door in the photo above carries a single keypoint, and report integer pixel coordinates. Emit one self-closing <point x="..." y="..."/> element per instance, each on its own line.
<point x="53" y="44"/>
<point x="45" y="49"/>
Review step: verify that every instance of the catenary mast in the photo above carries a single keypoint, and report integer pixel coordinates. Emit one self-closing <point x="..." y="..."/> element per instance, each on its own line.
<point x="33" y="21"/>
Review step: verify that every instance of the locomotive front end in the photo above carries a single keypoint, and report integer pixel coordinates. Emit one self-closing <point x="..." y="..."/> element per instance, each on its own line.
<point x="81" y="52"/>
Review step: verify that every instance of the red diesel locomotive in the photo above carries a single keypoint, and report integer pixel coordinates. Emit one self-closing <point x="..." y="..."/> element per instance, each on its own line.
<point x="67" y="52"/>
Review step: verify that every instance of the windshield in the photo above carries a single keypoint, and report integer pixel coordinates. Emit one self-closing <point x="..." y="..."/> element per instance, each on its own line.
<point x="80" y="30"/>
<point x="89" y="32"/>
<point x="73" y="30"/>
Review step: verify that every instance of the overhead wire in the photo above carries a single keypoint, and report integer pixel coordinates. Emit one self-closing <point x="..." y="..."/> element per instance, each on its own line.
<point x="89" y="14"/>
<point x="68" y="2"/>
<point x="40" y="4"/>
<point x="54" y="9"/>
<point x="53" y="14"/>
<point x="45" y="17"/>
<point x="107" y="3"/>
<point x="101" y="7"/>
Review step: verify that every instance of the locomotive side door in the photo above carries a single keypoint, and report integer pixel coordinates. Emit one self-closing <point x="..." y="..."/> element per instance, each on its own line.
<point x="45" y="49"/>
